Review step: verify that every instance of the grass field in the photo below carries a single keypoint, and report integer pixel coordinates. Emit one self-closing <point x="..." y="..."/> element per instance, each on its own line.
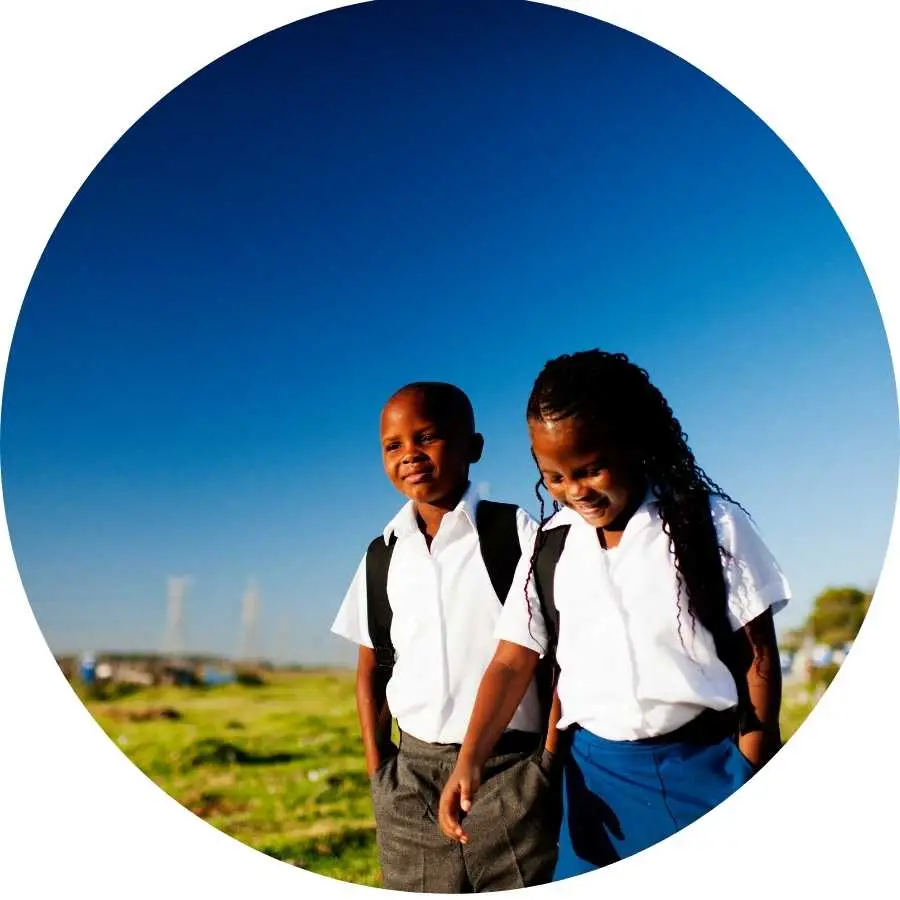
<point x="278" y="766"/>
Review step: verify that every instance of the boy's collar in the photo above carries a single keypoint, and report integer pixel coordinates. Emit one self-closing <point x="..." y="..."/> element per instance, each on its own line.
<point x="404" y="523"/>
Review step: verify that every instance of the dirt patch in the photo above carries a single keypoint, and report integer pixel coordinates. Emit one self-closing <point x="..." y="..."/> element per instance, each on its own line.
<point x="211" y="803"/>
<point x="216" y="752"/>
<point x="146" y="714"/>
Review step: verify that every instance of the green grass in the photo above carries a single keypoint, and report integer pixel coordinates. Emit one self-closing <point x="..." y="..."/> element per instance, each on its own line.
<point x="795" y="707"/>
<point x="278" y="767"/>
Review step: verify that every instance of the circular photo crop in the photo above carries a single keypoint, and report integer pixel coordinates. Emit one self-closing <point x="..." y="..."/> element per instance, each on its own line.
<point x="450" y="446"/>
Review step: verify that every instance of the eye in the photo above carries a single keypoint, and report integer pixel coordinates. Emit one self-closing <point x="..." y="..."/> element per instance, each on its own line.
<point x="391" y="447"/>
<point x="553" y="479"/>
<point x="429" y="436"/>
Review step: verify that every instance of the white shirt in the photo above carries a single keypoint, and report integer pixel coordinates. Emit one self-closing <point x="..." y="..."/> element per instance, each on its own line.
<point x="445" y="611"/>
<point x="624" y="672"/>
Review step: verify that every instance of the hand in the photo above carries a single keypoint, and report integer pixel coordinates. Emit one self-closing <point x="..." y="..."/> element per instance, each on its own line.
<point x="549" y="761"/>
<point x="456" y="799"/>
<point x="758" y="747"/>
<point x="381" y="758"/>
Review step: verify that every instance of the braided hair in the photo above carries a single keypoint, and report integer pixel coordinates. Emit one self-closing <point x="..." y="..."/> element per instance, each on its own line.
<point x="608" y="390"/>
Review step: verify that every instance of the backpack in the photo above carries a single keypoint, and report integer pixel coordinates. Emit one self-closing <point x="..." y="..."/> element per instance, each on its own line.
<point x="548" y="554"/>
<point x="498" y="537"/>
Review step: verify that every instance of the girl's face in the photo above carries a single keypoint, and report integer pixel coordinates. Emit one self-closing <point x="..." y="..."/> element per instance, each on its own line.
<point x="587" y="471"/>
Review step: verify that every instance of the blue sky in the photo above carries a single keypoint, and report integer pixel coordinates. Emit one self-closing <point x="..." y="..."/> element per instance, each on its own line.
<point x="405" y="190"/>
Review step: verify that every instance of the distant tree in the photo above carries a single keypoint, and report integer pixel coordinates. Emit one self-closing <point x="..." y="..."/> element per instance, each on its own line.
<point x="837" y="615"/>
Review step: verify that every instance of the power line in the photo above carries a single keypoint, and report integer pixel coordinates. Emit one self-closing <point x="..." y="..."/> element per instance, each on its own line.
<point x="173" y="640"/>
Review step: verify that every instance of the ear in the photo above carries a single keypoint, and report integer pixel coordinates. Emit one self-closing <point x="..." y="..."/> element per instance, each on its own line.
<point x="476" y="447"/>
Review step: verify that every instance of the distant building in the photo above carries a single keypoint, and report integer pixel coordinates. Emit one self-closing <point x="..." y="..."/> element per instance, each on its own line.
<point x="146" y="670"/>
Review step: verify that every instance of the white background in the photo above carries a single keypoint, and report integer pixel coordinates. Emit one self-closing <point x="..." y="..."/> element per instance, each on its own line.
<point x="78" y="817"/>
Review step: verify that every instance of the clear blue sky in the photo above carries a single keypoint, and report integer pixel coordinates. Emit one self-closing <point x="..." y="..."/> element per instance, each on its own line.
<point x="419" y="190"/>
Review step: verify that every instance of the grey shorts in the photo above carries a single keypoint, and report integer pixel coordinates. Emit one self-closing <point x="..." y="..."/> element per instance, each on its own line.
<point x="513" y="826"/>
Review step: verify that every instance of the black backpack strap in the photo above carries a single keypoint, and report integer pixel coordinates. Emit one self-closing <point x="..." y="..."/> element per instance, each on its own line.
<point x="550" y="548"/>
<point x="378" y="560"/>
<point x="498" y="536"/>
<point x="500" y="547"/>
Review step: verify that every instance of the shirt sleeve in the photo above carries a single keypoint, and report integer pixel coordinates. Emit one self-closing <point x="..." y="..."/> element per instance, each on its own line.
<point x="520" y="619"/>
<point x="527" y="528"/>
<point x="753" y="578"/>
<point x="352" y="620"/>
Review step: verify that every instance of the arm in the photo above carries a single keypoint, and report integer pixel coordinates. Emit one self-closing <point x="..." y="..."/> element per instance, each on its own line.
<point x="372" y="707"/>
<point x="502" y="689"/>
<point x="552" y="744"/>
<point x="762" y="737"/>
<point x="757" y="590"/>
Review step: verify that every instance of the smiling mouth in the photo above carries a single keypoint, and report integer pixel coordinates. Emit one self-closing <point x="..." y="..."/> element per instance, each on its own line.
<point x="419" y="477"/>
<point x="591" y="510"/>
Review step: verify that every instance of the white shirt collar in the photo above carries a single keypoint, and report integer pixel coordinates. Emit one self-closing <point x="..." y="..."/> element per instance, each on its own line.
<point x="404" y="523"/>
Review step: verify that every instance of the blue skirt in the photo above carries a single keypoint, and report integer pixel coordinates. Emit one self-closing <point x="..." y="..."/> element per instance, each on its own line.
<point x="621" y="797"/>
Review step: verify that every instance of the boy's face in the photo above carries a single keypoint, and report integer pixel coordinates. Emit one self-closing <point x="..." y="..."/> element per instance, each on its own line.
<point x="425" y="458"/>
<point x="585" y="470"/>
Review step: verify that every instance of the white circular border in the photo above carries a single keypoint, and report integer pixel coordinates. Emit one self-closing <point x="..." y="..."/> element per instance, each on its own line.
<point x="79" y="817"/>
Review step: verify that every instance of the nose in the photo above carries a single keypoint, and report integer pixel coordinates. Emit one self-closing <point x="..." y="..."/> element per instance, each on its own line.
<point x="577" y="491"/>
<point x="412" y="453"/>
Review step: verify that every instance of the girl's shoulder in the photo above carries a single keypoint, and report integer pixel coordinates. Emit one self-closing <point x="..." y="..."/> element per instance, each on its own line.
<point x="732" y="521"/>
<point x="724" y="511"/>
<point x="724" y="508"/>
<point x="562" y="516"/>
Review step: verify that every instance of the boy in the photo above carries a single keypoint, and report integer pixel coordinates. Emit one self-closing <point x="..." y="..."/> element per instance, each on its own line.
<point x="443" y="611"/>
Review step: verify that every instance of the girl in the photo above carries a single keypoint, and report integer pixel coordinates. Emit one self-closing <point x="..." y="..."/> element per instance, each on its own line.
<point x="664" y="593"/>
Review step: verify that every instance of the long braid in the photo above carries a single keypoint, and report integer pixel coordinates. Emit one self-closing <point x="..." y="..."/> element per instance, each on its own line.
<point x="607" y="388"/>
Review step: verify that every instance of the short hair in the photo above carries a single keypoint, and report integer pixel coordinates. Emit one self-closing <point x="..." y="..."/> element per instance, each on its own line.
<point x="447" y="401"/>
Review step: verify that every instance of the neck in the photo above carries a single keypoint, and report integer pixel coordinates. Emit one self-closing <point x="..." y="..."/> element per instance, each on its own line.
<point x="429" y="515"/>
<point x="612" y="534"/>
